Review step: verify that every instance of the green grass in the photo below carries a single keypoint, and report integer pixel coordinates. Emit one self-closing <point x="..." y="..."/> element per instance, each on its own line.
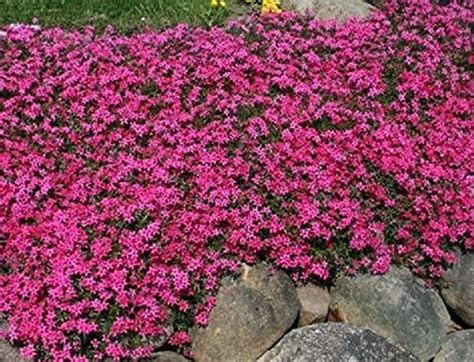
<point x="126" y="15"/>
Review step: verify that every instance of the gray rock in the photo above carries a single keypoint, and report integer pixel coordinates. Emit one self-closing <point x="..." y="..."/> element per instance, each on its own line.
<point x="167" y="356"/>
<point x="251" y="314"/>
<point x="396" y="305"/>
<point x="7" y="352"/>
<point x="330" y="9"/>
<point x="377" y="3"/>
<point x="300" y="6"/>
<point x="459" y="295"/>
<point x="238" y="10"/>
<point x="458" y="347"/>
<point x="335" y="342"/>
<point x="314" y="304"/>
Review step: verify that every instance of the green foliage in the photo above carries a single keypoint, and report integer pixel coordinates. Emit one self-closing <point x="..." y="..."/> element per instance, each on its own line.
<point x="391" y="74"/>
<point x="274" y="135"/>
<point x="325" y="124"/>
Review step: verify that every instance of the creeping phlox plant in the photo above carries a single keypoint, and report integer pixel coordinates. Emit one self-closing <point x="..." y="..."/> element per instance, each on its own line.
<point x="136" y="172"/>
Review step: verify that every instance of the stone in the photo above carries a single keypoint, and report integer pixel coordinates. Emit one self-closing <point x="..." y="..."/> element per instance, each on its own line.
<point x="251" y="314"/>
<point x="334" y="342"/>
<point x="458" y="347"/>
<point x="300" y="6"/>
<point x="168" y="356"/>
<point x="238" y="10"/>
<point x="397" y="306"/>
<point x="377" y="3"/>
<point x="340" y="10"/>
<point x="459" y="293"/>
<point x="8" y="353"/>
<point x="314" y="304"/>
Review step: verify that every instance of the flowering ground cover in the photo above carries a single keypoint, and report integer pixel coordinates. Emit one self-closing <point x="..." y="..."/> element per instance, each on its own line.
<point x="137" y="171"/>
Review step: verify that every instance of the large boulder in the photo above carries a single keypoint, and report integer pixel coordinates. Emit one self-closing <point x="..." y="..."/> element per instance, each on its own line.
<point x="396" y="305"/>
<point x="459" y="293"/>
<point x="314" y="304"/>
<point x="330" y="9"/>
<point x="251" y="314"/>
<point x="334" y="342"/>
<point x="458" y="347"/>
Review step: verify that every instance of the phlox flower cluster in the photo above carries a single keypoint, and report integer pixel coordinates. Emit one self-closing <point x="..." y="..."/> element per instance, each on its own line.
<point x="137" y="171"/>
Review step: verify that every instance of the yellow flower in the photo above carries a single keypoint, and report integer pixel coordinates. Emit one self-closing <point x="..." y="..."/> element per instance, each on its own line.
<point x="215" y="3"/>
<point x="271" y="6"/>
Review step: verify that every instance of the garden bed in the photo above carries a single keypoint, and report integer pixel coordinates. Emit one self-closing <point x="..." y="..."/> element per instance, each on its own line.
<point x="137" y="171"/>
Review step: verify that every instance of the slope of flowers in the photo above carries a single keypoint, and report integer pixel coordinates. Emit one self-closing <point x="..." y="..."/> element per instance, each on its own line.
<point x="136" y="171"/>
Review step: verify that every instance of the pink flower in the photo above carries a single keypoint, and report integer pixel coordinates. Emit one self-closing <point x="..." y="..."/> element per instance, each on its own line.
<point x="179" y="338"/>
<point x="28" y="352"/>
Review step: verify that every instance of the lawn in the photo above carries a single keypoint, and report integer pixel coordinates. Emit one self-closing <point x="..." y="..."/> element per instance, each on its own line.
<point x="126" y="15"/>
